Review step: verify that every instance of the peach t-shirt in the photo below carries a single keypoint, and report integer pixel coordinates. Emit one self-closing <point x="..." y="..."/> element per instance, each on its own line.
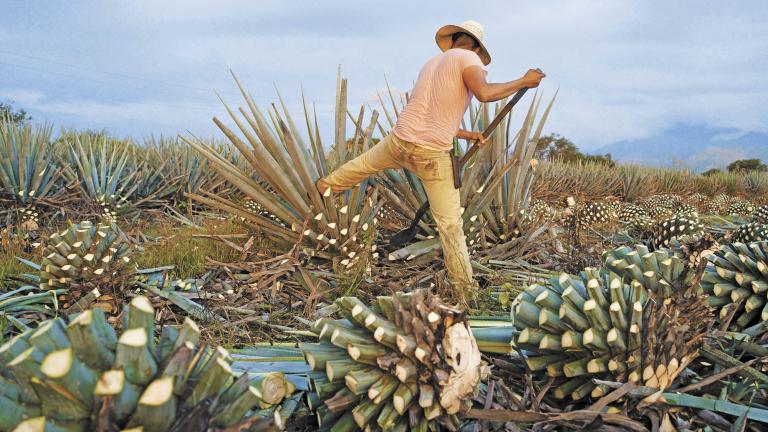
<point x="438" y="100"/>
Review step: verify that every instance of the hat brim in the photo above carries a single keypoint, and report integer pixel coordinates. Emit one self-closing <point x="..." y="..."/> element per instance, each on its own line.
<point x="443" y="39"/>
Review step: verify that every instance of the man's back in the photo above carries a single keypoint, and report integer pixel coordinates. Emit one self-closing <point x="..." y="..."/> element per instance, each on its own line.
<point x="438" y="100"/>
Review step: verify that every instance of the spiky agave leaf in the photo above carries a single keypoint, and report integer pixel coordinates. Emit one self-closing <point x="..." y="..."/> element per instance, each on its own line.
<point x="23" y="306"/>
<point x="28" y="171"/>
<point x="640" y="325"/>
<point x="82" y="376"/>
<point x="327" y="226"/>
<point x="409" y="363"/>
<point x="736" y="280"/>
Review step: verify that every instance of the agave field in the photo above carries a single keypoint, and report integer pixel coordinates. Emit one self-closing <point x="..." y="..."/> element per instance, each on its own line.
<point x="195" y="284"/>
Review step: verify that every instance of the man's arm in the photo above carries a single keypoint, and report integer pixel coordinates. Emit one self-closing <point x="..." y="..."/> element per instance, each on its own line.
<point x="474" y="78"/>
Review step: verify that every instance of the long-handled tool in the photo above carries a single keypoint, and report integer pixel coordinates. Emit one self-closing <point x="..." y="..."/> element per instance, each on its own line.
<point x="406" y="235"/>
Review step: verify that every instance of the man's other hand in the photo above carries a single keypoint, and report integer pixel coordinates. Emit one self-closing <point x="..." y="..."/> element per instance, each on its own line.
<point x="471" y="136"/>
<point x="533" y="77"/>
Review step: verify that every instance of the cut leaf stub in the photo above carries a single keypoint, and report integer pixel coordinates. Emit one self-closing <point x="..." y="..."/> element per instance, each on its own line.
<point x="405" y="362"/>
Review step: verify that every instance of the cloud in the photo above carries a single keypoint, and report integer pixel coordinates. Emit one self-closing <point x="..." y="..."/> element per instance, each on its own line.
<point x="625" y="69"/>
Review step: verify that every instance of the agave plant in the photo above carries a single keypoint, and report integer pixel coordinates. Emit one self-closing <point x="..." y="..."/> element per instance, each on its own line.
<point x="720" y="204"/>
<point x="81" y="261"/>
<point x="750" y="232"/>
<point x="82" y="376"/>
<point x="104" y="171"/>
<point x="675" y="227"/>
<point x="761" y="214"/>
<point x="409" y="362"/>
<point x="736" y="280"/>
<point x="741" y="208"/>
<point x="326" y="226"/>
<point x="697" y="200"/>
<point x="155" y="185"/>
<point x="629" y="212"/>
<point x="588" y="180"/>
<point x="637" y="182"/>
<point x="28" y="171"/>
<point x="188" y="167"/>
<point x="756" y="183"/>
<point x="595" y="213"/>
<point x="637" y="320"/>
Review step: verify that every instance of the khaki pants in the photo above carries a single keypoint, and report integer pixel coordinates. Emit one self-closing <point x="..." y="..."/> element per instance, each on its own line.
<point x="434" y="169"/>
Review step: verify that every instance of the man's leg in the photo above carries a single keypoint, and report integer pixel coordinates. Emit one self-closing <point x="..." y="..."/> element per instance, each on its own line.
<point x="434" y="169"/>
<point x="378" y="158"/>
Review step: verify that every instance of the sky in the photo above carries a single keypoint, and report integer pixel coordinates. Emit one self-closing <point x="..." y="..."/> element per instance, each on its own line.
<point x="624" y="69"/>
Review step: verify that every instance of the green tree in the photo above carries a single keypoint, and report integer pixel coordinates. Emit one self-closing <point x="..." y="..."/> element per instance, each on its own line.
<point x="743" y="165"/>
<point x="16" y="115"/>
<point x="556" y="147"/>
<point x="711" y="172"/>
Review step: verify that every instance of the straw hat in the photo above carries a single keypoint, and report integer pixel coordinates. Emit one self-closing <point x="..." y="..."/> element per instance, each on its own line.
<point x="472" y="28"/>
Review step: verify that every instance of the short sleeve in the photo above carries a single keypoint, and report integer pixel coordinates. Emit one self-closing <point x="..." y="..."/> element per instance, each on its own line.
<point x="470" y="58"/>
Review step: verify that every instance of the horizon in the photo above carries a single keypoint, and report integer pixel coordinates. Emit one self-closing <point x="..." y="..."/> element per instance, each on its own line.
<point x="145" y="68"/>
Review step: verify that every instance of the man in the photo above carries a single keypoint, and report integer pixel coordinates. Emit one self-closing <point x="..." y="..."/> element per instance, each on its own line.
<point x="423" y="136"/>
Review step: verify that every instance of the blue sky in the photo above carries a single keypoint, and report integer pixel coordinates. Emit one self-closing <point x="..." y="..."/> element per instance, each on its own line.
<point x="625" y="69"/>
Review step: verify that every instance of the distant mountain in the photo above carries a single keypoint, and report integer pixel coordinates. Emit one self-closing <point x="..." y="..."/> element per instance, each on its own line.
<point x="694" y="146"/>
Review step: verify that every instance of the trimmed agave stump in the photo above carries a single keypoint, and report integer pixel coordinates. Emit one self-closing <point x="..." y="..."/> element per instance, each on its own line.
<point x="596" y="213"/>
<point x="761" y="214"/>
<point x="750" y="232"/>
<point x="675" y="227"/>
<point x="741" y="208"/>
<point x="82" y="259"/>
<point x="638" y="320"/>
<point x="82" y="377"/>
<point x="408" y="362"/>
<point x="736" y="280"/>
<point x="631" y="212"/>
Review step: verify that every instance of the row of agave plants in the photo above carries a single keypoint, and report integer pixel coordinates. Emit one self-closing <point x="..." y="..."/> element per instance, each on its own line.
<point x="91" y="173"/>
<point x="268" y="161"/>
<point x="559" y="179"/>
